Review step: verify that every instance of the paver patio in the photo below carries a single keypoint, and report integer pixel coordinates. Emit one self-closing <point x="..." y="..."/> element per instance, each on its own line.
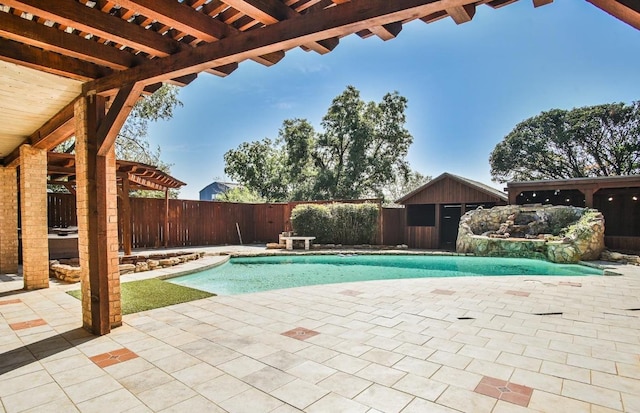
<point x="492" y="344"/>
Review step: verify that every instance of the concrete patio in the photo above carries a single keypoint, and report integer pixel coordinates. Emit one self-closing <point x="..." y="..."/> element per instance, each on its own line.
<point x="494" y="344"/>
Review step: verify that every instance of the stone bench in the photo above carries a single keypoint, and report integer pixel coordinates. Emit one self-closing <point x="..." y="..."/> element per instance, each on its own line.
<point x="289" y="241"/>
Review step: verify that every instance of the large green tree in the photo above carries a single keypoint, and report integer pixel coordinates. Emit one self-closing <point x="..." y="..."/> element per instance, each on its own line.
<point x="360" y="151"/>
<point x="590" y="141"/>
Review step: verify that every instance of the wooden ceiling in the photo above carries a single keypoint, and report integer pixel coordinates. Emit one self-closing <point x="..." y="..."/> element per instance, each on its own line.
<point x="51" y="51"/>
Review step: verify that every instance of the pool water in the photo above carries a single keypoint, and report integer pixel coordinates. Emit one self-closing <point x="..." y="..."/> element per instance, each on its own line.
<point x="252" y="274"/>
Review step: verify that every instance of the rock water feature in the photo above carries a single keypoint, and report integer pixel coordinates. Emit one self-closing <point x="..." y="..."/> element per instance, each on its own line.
<point x="562" y="234"/>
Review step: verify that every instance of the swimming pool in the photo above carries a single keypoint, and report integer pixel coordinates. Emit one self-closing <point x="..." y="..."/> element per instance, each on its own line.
<point x="252" y="274"/>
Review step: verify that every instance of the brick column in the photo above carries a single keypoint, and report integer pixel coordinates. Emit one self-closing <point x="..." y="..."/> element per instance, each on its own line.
<point x="33" y="215"/>
<point x="97" y="210"/>
<point x="9" y="221"/>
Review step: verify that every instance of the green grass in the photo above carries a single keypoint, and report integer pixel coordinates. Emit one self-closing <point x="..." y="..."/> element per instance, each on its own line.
<point x="152" y="293"/>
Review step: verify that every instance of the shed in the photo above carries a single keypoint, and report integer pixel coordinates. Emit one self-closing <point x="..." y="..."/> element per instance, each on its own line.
<point x="215" y="189"/>
<point x="617" y="197"/>
<point x="433" y="211"/>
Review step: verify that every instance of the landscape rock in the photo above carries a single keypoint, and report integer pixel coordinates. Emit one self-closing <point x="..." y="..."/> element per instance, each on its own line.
<point x="64" y="272"/>
<point x="571" y="234"/>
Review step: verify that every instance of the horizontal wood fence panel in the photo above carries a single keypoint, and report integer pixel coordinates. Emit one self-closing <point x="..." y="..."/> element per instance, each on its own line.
<point x="198" y="223"/>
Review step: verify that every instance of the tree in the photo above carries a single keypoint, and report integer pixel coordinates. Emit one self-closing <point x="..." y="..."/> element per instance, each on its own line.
<point x="361" y="151"/>
<point x="242" y="195"/>
<point x="402" y="187"/>
<point x="597" y="140"/>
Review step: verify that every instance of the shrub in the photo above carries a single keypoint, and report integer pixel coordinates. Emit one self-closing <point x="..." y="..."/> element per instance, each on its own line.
<point x="312" y="220"/>
<point x="337" y="223"/>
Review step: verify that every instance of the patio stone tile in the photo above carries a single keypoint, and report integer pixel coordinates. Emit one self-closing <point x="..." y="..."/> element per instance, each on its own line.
<point x="591" y="363"/>
<point x="517" y="293"/>
<point x="417" y="366"/>
<point x="89" y="389"/>
<point x="282" y="360"/>
<point x="194" y="404"/>
<point x="28" y="324"/>
<point x="566" y="372"/>
<point x="221" y="388"/>
<point x="381" y="374"/>
<point x="251" y="401"/>
<point x="506" y="407"/>
<point x="114" y="402"/>
<point x="23" y="382"/>
<point x="197" y="374"/>
<point x="257" y="350"/>
<point x="456" y="377"/>
<point x="631" y="402"/>
<point x="59" y="405"/>
<point x="159" y="352"/>
<point x="352" y="348"/>
<point x="317" y="353"/>
<point x="335" y="403"/>
<point x="450" y="359"/>
<point x="166" y="395"/>
<point x="285" y="408"/>
<point x="487" y="368"/>
<point x="443" y="292"/>
<point x="346" y="363"/>
<point x="442" y="344"/>
<point x="545" y="354"/>
<point x="614" y="382"/>
<point x="419" y="405"/>
<point x="33" y="397"/>
<point x="311" y="371"/>
<point x="413" y="350"/>
<point x="592" y="394"/>
<point x="241" y="366"/>
<point x="420" y="386"/>
<point x="504" y="390"/>
<point x="73" y="376"/>
<point x="300" y="333"/>
<point x="128" y="368"/>
<point x="345" y="384"/>
<point x="384" y="343"/>
<point x="176" y="362"/>
<point x="113" y="357"/>
<point x="466" y="401"/>
<point x="145" y="380"/>
<point x="386" y="358"/>
<point x="268" y="379"/>
<point x="552" y="403"/>
<point x="384" y="399"/>
<point x="538" y="381"/>
<point x="523" y="362"/>
<point x="299" y="393"/>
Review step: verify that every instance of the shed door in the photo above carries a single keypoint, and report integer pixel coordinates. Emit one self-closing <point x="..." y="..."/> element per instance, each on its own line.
<point x="449" y="221"/>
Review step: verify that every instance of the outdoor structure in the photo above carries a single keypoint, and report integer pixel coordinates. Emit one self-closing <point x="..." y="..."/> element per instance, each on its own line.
<point x="76" y="67"/>
<point x="617" y="197"/>
<point x="130" y="176"/>
<point x="433" y="211"/>
<point x="212" y="191"/>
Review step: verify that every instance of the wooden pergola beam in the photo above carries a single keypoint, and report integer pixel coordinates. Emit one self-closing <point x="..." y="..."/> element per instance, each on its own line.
<point x="179" y="16"/>
<point x="117" y="115"/>
<point x="626" y="10"/>
<point x="55" y="40"/>
<point x="145" y="182"/>
<point x="387" y="31"/>
<point x="56" y="130"/>
<point x="75" y="14"/>
<point x="336" y="21"/>
<point x="462" y="14"/>
<point x="42" y="60"/>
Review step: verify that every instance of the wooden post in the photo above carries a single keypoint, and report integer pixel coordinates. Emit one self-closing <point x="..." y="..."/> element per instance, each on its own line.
<point x="166" y="217"/>
<point x="126" y="216"/>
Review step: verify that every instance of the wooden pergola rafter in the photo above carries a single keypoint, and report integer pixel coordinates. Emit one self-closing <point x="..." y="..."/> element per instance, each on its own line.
<point x="93" y="59"/>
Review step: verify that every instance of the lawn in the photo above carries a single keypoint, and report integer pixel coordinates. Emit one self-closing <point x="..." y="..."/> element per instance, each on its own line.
<point x="152" y="293"/>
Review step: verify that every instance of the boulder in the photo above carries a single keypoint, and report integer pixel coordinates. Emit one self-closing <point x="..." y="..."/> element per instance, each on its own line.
<point x="66" y="273"/>
<point x="127" y="269"/>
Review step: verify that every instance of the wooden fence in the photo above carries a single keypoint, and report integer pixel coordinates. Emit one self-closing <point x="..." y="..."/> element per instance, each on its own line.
<point x="195" y="223"/>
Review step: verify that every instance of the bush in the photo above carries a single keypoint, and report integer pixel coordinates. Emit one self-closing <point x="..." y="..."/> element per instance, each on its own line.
<point x="346" y="224"/>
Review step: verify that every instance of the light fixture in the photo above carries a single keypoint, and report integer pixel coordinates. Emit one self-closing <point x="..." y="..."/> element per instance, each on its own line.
<point x="635" y="198"/>
<point x="610" y="199"/>
<point x="546" y="200"/>
<point x="568" y="200"/>
<point x="534" y="195"/>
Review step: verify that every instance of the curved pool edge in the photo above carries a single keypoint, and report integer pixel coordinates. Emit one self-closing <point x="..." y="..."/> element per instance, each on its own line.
<point x="198" y="266"/>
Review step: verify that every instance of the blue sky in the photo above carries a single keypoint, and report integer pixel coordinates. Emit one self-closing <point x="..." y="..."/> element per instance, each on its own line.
<point x="467" y="86"/>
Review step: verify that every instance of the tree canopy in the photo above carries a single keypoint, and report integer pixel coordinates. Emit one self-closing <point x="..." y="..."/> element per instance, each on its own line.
<point x="360" y="151"/>
<point x="600" y="140"/>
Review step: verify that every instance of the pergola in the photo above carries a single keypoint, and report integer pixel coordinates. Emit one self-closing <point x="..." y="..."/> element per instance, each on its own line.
<point x="76" y="67"/>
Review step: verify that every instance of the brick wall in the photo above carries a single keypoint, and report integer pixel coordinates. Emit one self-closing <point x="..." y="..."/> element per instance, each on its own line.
<point x="33" y="213"/>
<point x="8" y="221"/>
